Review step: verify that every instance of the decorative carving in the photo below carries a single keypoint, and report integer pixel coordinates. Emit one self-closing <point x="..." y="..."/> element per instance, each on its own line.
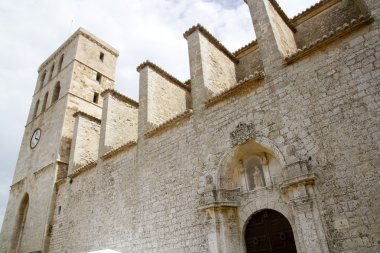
<point x="220" y="197"/>
<point x="243" y="133"/>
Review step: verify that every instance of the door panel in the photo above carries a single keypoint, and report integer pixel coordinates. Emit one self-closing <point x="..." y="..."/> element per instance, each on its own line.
<point x="269" y="232"/>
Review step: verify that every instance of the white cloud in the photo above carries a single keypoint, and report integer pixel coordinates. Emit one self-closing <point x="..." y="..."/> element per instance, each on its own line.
<point x="31" y="30"/>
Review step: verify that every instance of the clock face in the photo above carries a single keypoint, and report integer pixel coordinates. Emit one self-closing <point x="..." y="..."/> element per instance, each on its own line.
<point x="35" y="138"/>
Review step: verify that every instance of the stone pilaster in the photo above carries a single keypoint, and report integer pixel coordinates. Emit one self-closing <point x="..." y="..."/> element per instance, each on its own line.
<point x="212" y="66"/>
<point x="273" y="30"/>
<point x="298" y="190"/>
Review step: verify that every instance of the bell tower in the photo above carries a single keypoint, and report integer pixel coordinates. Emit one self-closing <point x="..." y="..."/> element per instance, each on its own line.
<point x="71" y="79"/>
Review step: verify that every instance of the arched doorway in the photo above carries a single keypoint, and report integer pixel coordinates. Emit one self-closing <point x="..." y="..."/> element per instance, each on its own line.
<point x="20" y="223"/>
<point x="268" y="231"/>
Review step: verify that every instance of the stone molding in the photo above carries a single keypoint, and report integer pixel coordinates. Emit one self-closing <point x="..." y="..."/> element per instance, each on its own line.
<point x="82" y="169"/>
<point x="236" y="88"/>
<point x="87" y="116"/>
<point x="163" y="73"/>
<point x="120" y="97"/>
<point x="219" y="198"/>
<point x="168" y="124"/>
<point x="211" y="39"/>
<point x="313" y="11"/>
<point x="339" y="32"/>
<point x="118" y="150"/>
<point x="18" y="184"/>
<point x="251" y="46"/>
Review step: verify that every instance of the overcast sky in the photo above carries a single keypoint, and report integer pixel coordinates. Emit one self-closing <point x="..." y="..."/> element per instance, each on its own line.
<point x="140" y="29"/>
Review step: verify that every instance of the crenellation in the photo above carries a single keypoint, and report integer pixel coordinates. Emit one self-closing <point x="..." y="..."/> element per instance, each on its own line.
<point x="211" y="39"/>
<point x="86" y="134"/>
<point x="249" y="61"/>
<point x="326" y="20"/>
<point x="165" y="98"/>
<point x="326" y="39"/>
<point x="119" y="121"/>
<point x="212" y="69"/>
<point x="284" y="129"/>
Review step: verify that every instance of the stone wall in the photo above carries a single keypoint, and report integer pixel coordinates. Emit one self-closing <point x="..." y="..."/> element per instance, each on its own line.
<point x="119" y="121"/>
<point x="85" y="144"/>
<point x="313" y="122"/>
<point x="320" y="108"/>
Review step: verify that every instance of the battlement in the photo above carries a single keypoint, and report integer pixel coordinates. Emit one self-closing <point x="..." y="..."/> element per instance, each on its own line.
<point x="217" y="75"/>
<point x="286" y="123"/>
<point x="80" y="32"/>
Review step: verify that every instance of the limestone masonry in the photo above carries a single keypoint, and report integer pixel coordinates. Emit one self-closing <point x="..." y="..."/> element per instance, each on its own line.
<point x="273" y="148"/>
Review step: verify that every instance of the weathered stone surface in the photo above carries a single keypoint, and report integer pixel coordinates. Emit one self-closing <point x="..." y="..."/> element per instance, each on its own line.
<point x="304" y="141"/>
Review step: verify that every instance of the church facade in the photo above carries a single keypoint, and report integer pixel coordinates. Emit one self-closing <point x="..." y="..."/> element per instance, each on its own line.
<point x="272" y="148"/>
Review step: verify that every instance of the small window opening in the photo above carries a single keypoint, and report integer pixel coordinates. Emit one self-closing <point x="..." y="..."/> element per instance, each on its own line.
<point x="57" y="90"/>
<point x="45" y="102"/>
<point x="96" y="98"/>
<point x="36" y="109"/>
<point x="43" y="79"/>
<point x="98" y="77"/>
<point x="101" y="56"/>
<point x="60" y="63"/>
<point x="51" y="72"/>
<point x="59" y="209"/>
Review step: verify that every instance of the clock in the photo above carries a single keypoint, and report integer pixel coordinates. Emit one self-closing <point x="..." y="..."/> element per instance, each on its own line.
<point x="35" y="138"/>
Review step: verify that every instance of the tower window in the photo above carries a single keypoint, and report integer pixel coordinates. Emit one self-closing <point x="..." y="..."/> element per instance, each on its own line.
<point x="43" y="79"/>
<point x="98" y="77"/>
<point x="57" y="90"/>
<point x="36" y="109"/>
<point x="59" y="209"/>
<point x="95" y="98"/>
<point x="51" y="72"/>
<point x="60" y="62"/>
<point x="45" y="101"/>
<point x="101" y="56"/>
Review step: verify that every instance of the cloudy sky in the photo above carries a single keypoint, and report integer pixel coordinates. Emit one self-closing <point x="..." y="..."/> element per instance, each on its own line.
<point x="140" y="29"/>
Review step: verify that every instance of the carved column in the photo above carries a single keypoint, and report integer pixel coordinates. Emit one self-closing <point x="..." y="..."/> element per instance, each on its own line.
<point x="298" y="190"/>
<point x="221" y="220"/>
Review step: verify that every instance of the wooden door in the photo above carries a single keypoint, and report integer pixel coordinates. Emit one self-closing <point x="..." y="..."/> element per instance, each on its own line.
<point x="269" y="232"/>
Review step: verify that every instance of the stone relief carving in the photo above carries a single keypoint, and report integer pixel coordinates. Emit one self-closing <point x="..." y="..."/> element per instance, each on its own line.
<point x="243" y="133"/>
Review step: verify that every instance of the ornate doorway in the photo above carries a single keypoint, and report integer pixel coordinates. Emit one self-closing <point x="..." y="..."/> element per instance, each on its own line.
<point x="269" y="231"/>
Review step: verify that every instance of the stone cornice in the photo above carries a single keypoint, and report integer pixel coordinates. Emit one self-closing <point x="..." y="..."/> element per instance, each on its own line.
<point x="85" y="34"/>
<point x="188" y="83"/>
<point x="339" y="32"/>
<point x="234" y="89"/>
<point x="118" y="150"/>
<point x="211" y="39"/>
<point x="313" y="11"/>
<point x="163" y="73"/>
<point x="82" y="169"/>
<point x="59" y="182"/>
<point x="120" y="97"/>
<point x="87" y="116"/>
<point x="169" y="123"/>
<point x="21" y="181"/>
<point x="253" y="45"/>
<point x="305" y="179"/>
